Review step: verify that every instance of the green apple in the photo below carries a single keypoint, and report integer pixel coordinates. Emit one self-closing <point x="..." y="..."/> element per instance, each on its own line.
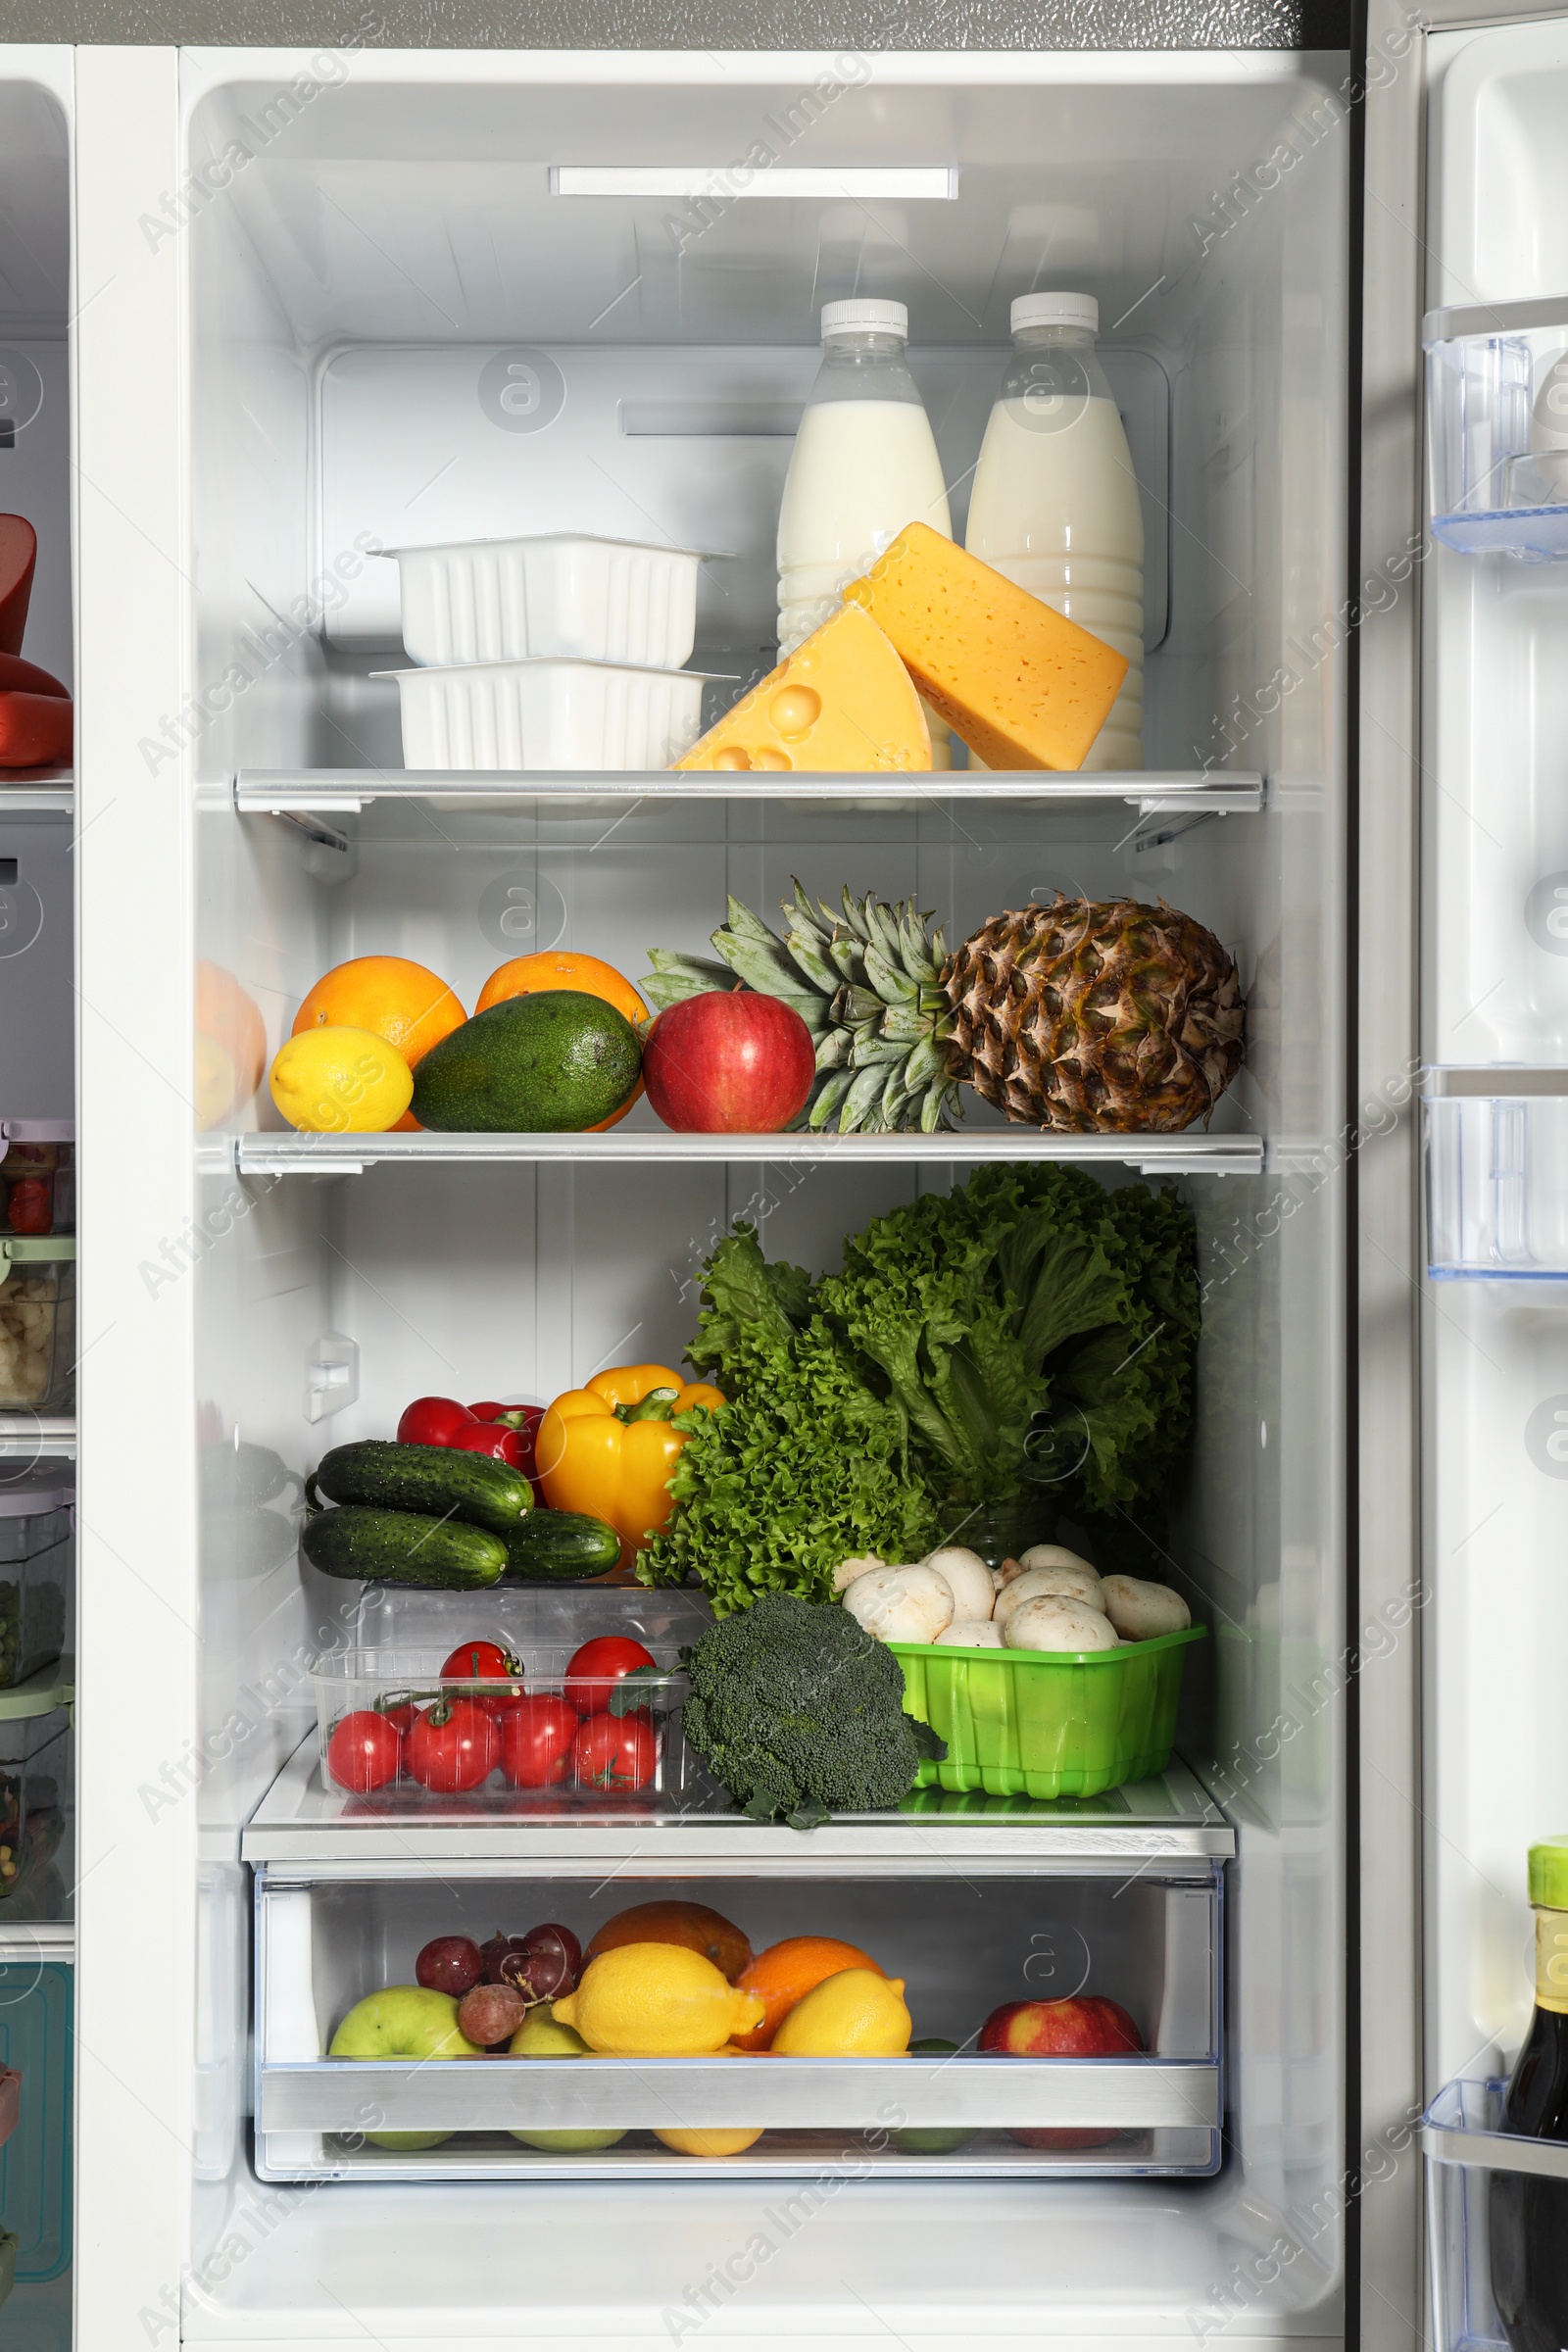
<point x="568" y="2144"/>
<point x="540" y="2036"/>
<point x="406" y="2021"/>
<point x="930" y="2140"/>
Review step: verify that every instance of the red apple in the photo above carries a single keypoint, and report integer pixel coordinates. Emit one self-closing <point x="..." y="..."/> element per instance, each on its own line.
<point x="729" y="1063"/>
<point x="1085" y="2027"/>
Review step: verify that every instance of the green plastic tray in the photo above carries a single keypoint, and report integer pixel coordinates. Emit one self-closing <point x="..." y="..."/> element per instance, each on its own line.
<point x="1043" y="1723"/>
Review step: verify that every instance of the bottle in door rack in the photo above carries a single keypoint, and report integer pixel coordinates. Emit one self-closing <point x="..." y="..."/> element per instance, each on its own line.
<point x="1529" y="2215"/>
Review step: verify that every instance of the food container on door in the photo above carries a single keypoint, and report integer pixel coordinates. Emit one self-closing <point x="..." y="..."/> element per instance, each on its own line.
<point x="1498" y="428"/>
<point x="36" y="1552"/>
<point x="36" y="2028"/>
<point x="549" y="713"/>
<point x="38" y="1323"/>
<point x="39" y="1176"/>
<point x="562" y="592"/>
<point x="636" y="1755"/>
<point x="1496" y="1174"/>
<point x="1046" y="1723"/>
<point x="35" y="1791"/>
<point x="1484" y="2185"/>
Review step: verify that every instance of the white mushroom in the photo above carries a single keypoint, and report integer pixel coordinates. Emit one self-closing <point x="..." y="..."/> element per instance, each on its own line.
<point x="1077" y="1583"/>
<point x="1052" y="1622"/>
<point x="1142" y="1611"/>
<point x="971" y="1633"/>
<point x="844" y="1574"/>
<point x="966" y="1577"/>
<point x="1053" y="1555"/>
<point x="901" y="1604"/>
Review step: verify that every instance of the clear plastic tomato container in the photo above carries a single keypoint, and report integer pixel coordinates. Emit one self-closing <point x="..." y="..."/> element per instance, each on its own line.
<point x="37" y="1528"/>
<point x="394" y="1731"/>
<point x="38" y="1323"/>
<point x="39" y="1176"/>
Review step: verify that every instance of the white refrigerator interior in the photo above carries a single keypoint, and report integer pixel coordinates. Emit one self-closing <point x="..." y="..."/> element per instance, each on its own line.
<point x="362" y="294"/>
<point x="1496" y="662"/>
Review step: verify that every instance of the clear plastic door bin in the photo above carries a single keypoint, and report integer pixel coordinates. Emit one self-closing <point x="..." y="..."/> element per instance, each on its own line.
<point x="1467" y="2157"/>
<point x="1498" y="428"/>
<point x="1496" y="1175"/>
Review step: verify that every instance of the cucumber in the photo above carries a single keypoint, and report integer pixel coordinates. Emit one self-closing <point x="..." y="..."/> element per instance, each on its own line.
<point x="402" y="1548"/>
<point x="438" y="1479"/>
<point x="560" y="1547"/>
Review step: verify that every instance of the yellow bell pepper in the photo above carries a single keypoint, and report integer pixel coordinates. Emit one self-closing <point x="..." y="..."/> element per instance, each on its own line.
<point x="609" y="1449"/>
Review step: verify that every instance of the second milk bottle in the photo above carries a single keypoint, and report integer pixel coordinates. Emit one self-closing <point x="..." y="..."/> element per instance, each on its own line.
<point x="1054" y="504"/>
<point x="865" y="464"/>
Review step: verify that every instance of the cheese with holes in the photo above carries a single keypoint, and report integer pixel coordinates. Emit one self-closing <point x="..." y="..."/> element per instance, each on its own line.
<point x="1023" y="687"/>
<point x="841" y="701"/>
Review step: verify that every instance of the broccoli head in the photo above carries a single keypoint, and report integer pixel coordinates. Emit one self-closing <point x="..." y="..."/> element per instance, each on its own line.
<point x="798" y="1711"/>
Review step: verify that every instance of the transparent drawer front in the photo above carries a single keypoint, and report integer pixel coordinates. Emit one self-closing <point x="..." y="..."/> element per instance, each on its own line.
<point x="1498" y="423"/>
<point x="1497" y="2224"/>
<point x="963" y="1948"/>
<point x="1496" y="1172"/>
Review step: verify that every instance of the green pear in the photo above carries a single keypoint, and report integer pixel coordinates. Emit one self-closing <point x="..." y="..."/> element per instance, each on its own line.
<point x="930" y="2140"/>
<point x="540" y="2036"/>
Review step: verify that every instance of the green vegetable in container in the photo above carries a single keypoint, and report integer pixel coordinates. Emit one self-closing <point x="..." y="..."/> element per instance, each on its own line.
<point x="798" y="1712"/>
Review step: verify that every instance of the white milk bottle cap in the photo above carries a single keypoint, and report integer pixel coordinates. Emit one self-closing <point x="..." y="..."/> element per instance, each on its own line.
<point x="1055" y="310"/>
<point x="864" y="315"/>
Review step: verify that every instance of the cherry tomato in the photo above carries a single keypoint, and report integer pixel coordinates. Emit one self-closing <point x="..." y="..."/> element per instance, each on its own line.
<point x="403" y="1717"/>
<point x="433" y="1421"/>
<point x="599" y="1666"/>
<point x="489" y="1438"/>
<point x="365" y="1751"/>
<point x="30" y="1207"/>
<point x="452" y="1747"/>
<point x="615" y="1751"/>
<point x="485" y="1662"/>
<point x="536" y="1737"/>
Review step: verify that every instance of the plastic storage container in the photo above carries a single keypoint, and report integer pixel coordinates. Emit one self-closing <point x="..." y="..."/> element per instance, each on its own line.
<point x="552" y="714"/>
<point x="36" y="2025"/>
<point x="34" y="1765"/>
<point x="1496" y="1175"/>
<point x="1498" y="428"/>
<point x="563" y="593"/>
<point x="38" y="1323"/>
<point x="39" y="1176"/>
<point x="35" y="1564"/>
<point x="540" y="1753"/>
<point x="1465" y="2151"/>
<point x="1041" y="1724"/>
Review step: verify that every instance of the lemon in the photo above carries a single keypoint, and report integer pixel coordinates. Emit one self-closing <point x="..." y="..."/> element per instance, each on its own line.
<point x="341" y="1082"/>
<point x="657" y="2000"/>
<point x="857" y="2014"/>
<point x="722" y="2140"/>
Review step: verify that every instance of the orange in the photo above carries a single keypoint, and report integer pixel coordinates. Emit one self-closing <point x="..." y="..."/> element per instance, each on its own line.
<point x="398" y="1000"/>
<point x="692" y="1924"/>
<point x="559" y="967"/>
<point x="787" y="1972"/>
<point x="228" y="1019"/>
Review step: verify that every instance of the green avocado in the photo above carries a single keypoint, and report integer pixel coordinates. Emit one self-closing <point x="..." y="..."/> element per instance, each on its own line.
<point x="930" y="2140"/>
<point x="558" y="1061"/>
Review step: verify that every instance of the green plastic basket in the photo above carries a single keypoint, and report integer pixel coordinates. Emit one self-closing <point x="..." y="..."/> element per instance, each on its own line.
<point x="1044" y="1722"/>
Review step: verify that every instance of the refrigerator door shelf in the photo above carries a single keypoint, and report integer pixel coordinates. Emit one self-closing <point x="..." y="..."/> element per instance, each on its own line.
<point x="1497" y="425"/>
<point x="1465" y="2151"/>
<point x="1496" y="1175"/>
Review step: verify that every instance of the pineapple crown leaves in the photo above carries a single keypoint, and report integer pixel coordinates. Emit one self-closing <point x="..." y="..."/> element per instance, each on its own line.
<point x="866" y="982"/>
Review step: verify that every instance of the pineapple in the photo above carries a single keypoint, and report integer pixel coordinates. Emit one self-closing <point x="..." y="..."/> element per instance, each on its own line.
<point x="1100" y="1016"/>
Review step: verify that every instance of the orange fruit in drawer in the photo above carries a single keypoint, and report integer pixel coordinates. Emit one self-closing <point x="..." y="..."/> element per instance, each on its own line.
<point x="692" y="1924"/>
<point x="563" y="967"/>
<point x="401" y="1002"/>
<point x="787" y="1972"/>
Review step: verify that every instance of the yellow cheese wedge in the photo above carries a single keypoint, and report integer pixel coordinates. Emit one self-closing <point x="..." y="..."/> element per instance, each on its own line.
<point x="1023" y="687"/>
<point x="843" y="700"/>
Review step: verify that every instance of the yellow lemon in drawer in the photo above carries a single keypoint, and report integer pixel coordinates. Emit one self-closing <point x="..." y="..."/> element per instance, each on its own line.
<point x="655" y="2000"/>
<point x="857" y="2014"/>
<point x="341" y="1082"/>
<point x="718" y="2140"/>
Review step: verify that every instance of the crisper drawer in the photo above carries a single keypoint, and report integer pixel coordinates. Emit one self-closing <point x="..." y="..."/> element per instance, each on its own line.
<point x="964" y="1943"/>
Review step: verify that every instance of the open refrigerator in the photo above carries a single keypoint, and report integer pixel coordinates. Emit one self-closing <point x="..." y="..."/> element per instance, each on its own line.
<point x="305" y="287"/>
